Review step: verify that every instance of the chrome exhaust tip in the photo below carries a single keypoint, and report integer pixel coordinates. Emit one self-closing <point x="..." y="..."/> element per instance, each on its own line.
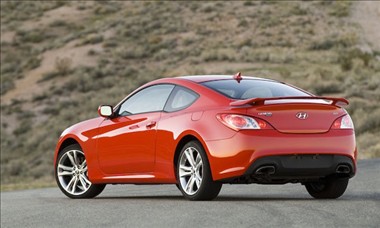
<point x="344" y="169"/>
<point x="266" y="170"/>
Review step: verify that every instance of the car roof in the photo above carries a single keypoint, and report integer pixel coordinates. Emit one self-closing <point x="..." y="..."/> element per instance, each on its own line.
<point x="206" y="78"/>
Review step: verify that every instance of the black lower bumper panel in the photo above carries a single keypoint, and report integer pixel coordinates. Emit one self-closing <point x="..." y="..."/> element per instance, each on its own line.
<point x="296" y="168"/>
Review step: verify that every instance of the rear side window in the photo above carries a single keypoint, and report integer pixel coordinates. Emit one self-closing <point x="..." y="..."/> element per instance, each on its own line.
<point x="180" y="98"/>
<point x="253" y="88"/>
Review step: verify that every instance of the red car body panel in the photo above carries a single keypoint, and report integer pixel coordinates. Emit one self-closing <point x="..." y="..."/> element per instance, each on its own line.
<point x="226" y="164"/>
<point x="142" y="148"/>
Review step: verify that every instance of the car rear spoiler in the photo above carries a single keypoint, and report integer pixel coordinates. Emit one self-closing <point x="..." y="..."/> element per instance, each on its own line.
<point x="261" y="101"/>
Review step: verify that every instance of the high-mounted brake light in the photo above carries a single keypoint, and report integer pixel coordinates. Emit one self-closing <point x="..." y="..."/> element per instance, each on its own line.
<point x="238" y="77"/>
<point x="344" y="122"/>
<point x="240" y="122"/>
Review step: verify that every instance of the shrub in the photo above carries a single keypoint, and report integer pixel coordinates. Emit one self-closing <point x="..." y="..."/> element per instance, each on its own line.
<point x="346" y="57"/>
<point x="107" y="8"/>
<point x="218" y="55"/>
<point x="243" y="23"/>
<point x="298" y="10"/>
<point x="31" y="63"/>
<point x="110" y="43"/>
<point x="335" y="41"/>
<point x="33" y="36"/>
<point x="345" y="61"/>
<point x="24" y="10"/>
<point x="322" y="45"/>
<point x="249" y="3"/>
<point x="327" y="88"/>
<point x="340" y="8"/>
<point x="207" y="9"/>
<point x="268" y="2"/>
<point x="5" y="86"/>
<point x="50" y="111"/>
<point x="91" y="52"/>
<point x="25" y="114"/>
<point x="371" y="123"/>
<point x="94" y="39"/>
<point x="58" y="23"/>
<point x="39" y="97"/>
<point x="49" y="75"/>
<point x="16" y="167"/>
<point x="136" y="52"/>
<point x="63" y="65"/>
<point x="24" y="127"/>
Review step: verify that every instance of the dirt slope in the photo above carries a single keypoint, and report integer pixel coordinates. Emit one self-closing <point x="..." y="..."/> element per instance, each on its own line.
<point x="116" y="46"/>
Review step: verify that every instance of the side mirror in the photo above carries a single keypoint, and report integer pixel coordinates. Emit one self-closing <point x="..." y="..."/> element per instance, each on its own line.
<point x="105" y="110"/>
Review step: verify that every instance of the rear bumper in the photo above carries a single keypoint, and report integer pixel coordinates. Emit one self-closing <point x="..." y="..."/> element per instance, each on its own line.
<point x="241" y="154"/>
<point x="302" y="166"/>
<point x="297" y="168"/>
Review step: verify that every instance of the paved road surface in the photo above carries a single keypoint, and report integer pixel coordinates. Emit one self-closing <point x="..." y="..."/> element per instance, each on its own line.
<point x="237" y="206"/>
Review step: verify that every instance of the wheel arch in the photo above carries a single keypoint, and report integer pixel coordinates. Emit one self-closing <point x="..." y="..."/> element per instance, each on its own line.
<point x="67" y="142"/>
<point x="182" y="142"/>
<point x="63" y="143"/>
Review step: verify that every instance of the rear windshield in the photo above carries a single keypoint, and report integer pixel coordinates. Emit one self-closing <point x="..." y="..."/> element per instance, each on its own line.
<point x="253" y="88"/>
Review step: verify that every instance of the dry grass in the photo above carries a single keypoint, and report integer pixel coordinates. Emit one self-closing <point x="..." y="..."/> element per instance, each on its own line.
<point x="27" y="184"/>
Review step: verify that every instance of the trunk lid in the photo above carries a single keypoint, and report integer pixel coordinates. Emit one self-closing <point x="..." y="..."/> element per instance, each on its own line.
<point x="297" y="115"/>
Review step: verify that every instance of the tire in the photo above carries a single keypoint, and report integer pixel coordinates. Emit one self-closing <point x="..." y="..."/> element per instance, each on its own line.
<point x="194" y="175"/>
<point x="331" y="188"/>
<point x="72" y="176"/>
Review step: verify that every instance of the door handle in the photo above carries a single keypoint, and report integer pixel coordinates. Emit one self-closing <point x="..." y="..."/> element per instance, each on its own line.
<point x="134" y="127"/>
<point x="151" y="125"/>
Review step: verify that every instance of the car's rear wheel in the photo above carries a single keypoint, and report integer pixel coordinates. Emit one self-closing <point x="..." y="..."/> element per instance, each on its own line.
<point x="330" y="188"/>
<point x="194" y="174"/>
<point x="71" y="174"/>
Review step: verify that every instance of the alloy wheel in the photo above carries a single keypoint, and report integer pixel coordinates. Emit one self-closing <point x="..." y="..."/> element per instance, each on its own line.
<point x="191" y="171"/>
<point x="72" y="172"/>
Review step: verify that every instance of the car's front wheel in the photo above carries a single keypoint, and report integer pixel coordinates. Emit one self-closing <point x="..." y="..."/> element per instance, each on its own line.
<point x="71" y="174"/>
<point x="330" y="188"/>
<point x="194" y="174"/>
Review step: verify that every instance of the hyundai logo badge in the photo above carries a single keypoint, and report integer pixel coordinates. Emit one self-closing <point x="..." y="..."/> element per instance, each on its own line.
<point x="302" y="115"/>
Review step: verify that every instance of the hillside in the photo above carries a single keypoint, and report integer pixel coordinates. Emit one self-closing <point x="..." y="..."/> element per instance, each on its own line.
<point x="60" y="60"/>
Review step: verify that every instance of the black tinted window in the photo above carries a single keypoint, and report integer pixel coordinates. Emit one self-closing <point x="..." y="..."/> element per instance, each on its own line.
<point x="253" y="88"/>
<point x="181" y="98"/>
<point x="151" y="99"/>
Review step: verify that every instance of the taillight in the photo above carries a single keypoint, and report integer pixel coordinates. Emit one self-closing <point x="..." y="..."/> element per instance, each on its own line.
<point x="240" y="122"/>
<point x="343" y="122"/>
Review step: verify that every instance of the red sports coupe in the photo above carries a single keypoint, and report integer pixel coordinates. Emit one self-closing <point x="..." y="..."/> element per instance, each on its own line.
<point x="199" y="132"/>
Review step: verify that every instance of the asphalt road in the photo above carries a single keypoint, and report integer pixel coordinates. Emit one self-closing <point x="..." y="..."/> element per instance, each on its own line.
<point x="163" y="206"/>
